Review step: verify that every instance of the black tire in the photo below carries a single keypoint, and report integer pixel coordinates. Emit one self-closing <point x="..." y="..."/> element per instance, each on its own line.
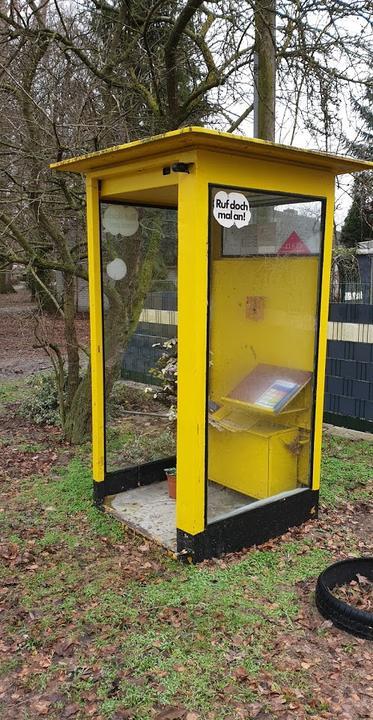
<point x="344" y="616"/>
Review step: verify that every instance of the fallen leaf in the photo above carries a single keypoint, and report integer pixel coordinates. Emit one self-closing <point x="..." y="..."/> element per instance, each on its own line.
<point x="41" y="706"/>
<point x="70" y="710"/>
<point x="254" y="709"/>
<point x="64" y="648"/>
<point x="241" y="674"/>
<point x="172" y="712"/>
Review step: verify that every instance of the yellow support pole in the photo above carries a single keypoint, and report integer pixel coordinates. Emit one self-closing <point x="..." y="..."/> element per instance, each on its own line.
<point x="192" y="350"/>
<point x="95" y="315"/>
<point x="323" y="332"/>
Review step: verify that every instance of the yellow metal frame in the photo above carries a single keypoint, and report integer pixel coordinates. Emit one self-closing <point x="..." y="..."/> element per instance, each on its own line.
<point x="323" y="335"/>
<point x="135" y="172"/>
<point x="221" y="169"/>
<point x="95" y="314"/>
<point x="192" y="349"/>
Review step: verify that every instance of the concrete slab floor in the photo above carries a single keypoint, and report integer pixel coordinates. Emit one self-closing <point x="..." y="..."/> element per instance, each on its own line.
<point x="152" y="513"/>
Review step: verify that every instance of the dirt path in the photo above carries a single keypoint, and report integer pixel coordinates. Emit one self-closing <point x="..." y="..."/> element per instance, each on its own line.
<point x="20" y="352"/>
<point x="9" y="310"/>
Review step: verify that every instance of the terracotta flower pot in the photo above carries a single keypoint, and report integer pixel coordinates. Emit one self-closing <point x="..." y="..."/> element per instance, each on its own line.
<point x="171" y="481"/>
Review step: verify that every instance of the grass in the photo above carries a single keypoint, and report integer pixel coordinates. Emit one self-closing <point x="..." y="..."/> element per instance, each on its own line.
<point x="132" y="448"/>
<point x="146" y="631"/>
<point x="347" y="470"/>
<point x="11" y="391"/>
<point x="174" y="634"/>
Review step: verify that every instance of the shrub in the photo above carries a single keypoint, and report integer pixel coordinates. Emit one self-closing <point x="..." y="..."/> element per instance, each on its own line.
<point x="41" y="404"/>
<point x="125" y="397"/>
<point x="165" y="372"/>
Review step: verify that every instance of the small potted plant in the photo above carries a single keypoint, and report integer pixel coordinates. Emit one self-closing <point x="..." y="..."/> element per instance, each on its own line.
<point x="171" y="481"/>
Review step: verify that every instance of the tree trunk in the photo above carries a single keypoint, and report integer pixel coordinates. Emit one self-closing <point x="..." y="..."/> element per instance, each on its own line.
<point x="79" y="415"/>
<point x="265" y="69"/>
<point x="72" y="346"/>
<point x="38" y="291"/>
<point x="6" y="283"/>
<point x="126" y="301"/>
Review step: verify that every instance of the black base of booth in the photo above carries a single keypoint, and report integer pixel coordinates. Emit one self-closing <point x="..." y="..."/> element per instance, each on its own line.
<point x="131" y="477"/>
<point x="247" y="528"/>
<point x="235" y="532"/>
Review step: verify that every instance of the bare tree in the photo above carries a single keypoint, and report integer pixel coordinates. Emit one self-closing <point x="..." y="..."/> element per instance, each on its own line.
<point x="80" y="76"/>
<point x="265" y="70"/>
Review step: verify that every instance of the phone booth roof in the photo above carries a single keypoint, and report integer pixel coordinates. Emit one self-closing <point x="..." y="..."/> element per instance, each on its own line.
<point x="199" y="138"/>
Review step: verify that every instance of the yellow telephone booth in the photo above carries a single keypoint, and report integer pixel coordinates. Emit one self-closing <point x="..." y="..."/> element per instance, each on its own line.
<point x="254" y="238"/>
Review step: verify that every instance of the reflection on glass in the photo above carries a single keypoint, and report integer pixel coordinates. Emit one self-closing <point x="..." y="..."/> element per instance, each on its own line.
<point x="139" y="258"/>
<point x="264" y="277"/>
<point x="275" y="226"/>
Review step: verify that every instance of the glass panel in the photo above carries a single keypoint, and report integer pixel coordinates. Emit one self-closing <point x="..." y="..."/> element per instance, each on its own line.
<point x="139" y="258"/>
<point x="263" y="318"/>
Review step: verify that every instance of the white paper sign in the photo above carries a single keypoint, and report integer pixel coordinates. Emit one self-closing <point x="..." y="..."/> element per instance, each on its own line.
<point x="121" y="220"/>
<point x="231" y="209"/>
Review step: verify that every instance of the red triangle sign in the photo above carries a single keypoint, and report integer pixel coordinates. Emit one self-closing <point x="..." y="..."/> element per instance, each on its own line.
<point x="294" y="246"/>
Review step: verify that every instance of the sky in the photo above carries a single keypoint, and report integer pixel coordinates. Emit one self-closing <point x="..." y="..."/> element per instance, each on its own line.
<point x="346" y="121"/>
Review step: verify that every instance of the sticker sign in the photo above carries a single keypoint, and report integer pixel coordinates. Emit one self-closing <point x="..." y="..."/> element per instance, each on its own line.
<point x="231" y="209"/>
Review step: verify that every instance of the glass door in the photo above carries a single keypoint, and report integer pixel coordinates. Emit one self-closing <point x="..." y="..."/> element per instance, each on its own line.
<point x="264" y="268"/>
<point x="139" y="259"/>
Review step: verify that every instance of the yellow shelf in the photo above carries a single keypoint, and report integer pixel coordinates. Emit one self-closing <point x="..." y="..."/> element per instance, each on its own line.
<point x="261" y="410"/>
<point x="233" y="419"/>
<point x="258" y="384"/>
